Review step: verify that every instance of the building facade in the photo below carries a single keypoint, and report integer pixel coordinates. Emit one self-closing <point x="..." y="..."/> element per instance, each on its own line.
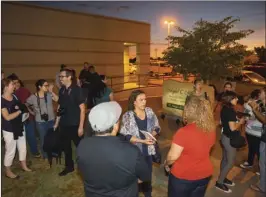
<point x="37" y="40"/>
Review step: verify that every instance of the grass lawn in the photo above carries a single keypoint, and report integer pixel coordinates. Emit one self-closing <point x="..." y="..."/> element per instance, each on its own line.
<point x="43" y="182"/>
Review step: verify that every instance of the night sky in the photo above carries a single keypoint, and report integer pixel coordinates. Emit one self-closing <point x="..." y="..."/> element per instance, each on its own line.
<point x="252" y="15"/>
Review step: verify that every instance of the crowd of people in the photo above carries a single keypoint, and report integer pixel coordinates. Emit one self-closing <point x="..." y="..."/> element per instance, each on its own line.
<point x="116" y="159"/>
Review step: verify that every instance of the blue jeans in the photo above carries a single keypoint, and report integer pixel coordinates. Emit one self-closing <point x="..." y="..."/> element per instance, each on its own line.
<point x="42" y="128"/>
<point x="30" y="136"/>
<point x="186" y="188"/>
<point x="262" y="164"/>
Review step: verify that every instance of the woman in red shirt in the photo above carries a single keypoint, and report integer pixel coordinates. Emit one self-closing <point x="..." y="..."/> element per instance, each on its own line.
<point x="190" y="151"/>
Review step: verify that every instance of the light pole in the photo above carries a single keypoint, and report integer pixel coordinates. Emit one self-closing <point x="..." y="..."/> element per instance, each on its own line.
<point x="169" y="23"/>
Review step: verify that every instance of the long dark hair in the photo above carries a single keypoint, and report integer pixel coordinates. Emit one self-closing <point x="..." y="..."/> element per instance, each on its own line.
<point x="98" y="87"/>
<point x="227" y="97"/>
<point x="132" y="98"/>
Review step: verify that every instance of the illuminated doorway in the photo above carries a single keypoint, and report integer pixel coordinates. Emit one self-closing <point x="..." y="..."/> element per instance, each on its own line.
<point x="131" y="66"/>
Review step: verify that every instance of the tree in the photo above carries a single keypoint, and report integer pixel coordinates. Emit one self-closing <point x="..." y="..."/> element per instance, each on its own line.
<point x="209" y="49"/>
<point x="261" y="52"/>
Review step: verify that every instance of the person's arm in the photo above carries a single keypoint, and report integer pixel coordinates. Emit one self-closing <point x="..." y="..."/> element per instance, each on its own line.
<point x="82" y="119"/>
<point x="135" y="140"/>
<point x="54" y="96"/>
<point x="29" y="105"/>
<point x="232" y="120"/>
<point x="178" y="144"/>
<point x="125" y="130"/>
<point x="111" y="96"/>
<point x="142" y="170"/>
<point x="174" y="153"/>
<point x="260" y="116"/>
<point x="257" y="113"/>
<point x="7" y="116"/>
<point x="81" y="102"/>
<point x="157" y="128"/>
<point x="57" y="119"/>
<point x="234" y="126"/>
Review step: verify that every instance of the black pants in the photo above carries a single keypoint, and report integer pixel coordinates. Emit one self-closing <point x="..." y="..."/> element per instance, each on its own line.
<point x="253" y="148"/>
<point x="68" y="134"/>
<point x="146" y="187"/>
<point x="186" y="188"/>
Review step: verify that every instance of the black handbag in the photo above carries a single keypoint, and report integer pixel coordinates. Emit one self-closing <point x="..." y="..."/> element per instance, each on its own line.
<point x="237" y="140"/>
<point x="157" y="158"/>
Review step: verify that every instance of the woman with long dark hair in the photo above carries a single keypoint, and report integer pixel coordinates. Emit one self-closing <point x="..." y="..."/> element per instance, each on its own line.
<point x="135" y="122"/>
<point x="12" y="127"/>
<point x="230" y="124"/>
<point x="42" y="104"/>
<point x="101" y="92"/>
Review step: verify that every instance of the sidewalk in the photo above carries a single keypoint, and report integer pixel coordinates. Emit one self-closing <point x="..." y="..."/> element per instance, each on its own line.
<point x="242" y="178"/>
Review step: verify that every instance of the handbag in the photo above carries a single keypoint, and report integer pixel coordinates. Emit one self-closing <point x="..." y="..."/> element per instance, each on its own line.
<point x="237" y="140"/>
<point x="157" y="158"/>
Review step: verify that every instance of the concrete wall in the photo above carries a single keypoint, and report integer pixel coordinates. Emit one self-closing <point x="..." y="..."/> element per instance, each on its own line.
<point x="36" y="40"/>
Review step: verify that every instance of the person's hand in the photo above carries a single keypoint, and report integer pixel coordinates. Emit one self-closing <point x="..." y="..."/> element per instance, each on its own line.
<point x="242" y="120"/>
<point x="148" y="141"/>
<point x="80" y="131"/>
<point x="253" y="105"/>
<point x="55" y="126"/>
<point x="154" y="133"/>
<point x="51" y="87"/>
<point x="140" y="181"/>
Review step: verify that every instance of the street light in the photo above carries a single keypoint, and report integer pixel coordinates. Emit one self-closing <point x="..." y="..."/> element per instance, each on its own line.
<point x="169" y="23"/>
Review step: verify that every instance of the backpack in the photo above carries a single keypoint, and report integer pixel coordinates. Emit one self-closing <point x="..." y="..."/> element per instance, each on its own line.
<point x="52" y="145"/>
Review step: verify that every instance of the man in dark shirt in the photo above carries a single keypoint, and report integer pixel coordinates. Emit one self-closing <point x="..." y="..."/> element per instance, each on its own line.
<point x="110" y="166"/>
<point x="227" y="87"/>
<point x="84" y="72"/>
<point x="71" y="115"/>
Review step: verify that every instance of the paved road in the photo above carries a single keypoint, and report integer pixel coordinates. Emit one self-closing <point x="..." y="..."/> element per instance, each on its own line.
<point x="242" y="178"/>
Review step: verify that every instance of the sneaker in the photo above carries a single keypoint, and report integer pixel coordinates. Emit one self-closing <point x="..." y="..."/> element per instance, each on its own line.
<point x="37" y="155"/>
<point x="245" y="165"/>
<point x="66" y="171"/>
<point x="227" y="182"/>
<point x="223" y="188"/>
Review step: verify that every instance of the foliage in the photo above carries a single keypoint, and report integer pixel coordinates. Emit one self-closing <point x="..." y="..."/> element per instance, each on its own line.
<point x="261" y="52"/>
<point x="209" y="49"/>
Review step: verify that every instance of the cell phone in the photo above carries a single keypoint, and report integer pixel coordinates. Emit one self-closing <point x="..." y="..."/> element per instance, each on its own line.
<point x="242" y="114"/>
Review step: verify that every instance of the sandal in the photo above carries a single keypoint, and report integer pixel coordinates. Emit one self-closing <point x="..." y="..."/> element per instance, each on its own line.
<point x="256" y="188"/>
<point x="16" y="177"/>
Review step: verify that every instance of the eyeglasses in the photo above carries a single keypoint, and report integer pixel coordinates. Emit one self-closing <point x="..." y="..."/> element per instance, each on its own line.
<point x="61" y="76"/>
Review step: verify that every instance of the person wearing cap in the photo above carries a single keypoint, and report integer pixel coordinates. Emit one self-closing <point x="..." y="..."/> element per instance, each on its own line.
<point x="109" y="166"/>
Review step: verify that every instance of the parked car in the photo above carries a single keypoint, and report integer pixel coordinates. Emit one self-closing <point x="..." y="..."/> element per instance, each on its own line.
<point x="261" y="70"/>
<point x="160" y="68"/>
<point x="250" y="77"/>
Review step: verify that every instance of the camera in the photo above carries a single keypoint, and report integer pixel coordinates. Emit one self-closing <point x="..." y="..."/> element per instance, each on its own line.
<point x="44" y="117"/>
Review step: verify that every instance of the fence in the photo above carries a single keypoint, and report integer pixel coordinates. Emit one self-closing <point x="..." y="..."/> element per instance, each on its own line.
<point x="131" y="82"/>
